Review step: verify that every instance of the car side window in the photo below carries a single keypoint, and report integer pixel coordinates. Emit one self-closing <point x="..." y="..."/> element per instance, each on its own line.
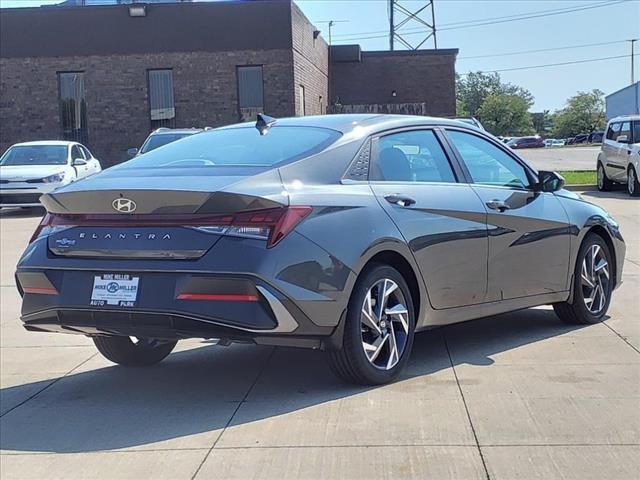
<point x="411" y="156"/>
<point x="86" y="152"/>
<point x="636" y="132"/>
<point x="625" y="129"/>
<point x="488" y="164"/>
<point x="613" y="131"/>
<point x="76" y="153"/>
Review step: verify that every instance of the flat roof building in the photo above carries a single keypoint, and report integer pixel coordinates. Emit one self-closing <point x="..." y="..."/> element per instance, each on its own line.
<point x="107" y="75"/>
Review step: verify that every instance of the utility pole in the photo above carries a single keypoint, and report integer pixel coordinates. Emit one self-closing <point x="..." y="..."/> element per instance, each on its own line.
<point x="331" y="23"/>
<point x="632" y="42"/>
<point x="392" y="32"/>
<point x="422" y="17"/>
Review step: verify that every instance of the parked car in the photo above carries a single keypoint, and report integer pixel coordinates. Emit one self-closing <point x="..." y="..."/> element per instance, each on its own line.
<point x="570" y="141"/>
<point x="582" y="138"/>
<point x="471" y="121"/>
<point x="558" y="142"/>
<point x="548" y="142"/>
<point x="345" y="233"/>
<point x="619" y="157"/>
<point x="162" y="136"/>
<point x="526" y="142"/>
<point x="31" y="169"/>
<point x="596" y="137"/>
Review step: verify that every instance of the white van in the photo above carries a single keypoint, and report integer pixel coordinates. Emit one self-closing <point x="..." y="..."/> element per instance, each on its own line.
<point x="619" y="160"/>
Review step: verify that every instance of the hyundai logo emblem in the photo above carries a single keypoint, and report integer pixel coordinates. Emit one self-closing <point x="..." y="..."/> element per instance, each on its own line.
<point x="124" y="205"/>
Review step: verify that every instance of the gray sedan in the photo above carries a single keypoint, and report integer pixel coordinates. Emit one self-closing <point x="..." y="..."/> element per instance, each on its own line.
<point x="345" y="233"/>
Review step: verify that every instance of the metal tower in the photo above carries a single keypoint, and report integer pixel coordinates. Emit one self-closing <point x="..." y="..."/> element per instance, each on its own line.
<point x="402" y="18"/>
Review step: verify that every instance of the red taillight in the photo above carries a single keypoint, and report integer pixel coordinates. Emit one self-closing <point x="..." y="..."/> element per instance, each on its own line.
<point x="271" y="224"/>
<point x="44" y="223"/>
<point x="286" y="223"/>
<point x="41" y="290"/>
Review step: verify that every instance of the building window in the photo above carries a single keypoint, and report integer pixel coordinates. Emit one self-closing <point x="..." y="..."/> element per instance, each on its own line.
<point x="161" y="102"/>
<point x="250" y="92"/>
<point x="73" y="106"/>
<point x="302" y="101"/>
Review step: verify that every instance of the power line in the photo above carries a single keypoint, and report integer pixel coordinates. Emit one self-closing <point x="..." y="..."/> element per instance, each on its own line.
<point x="543" y="50"/>
<point x="480" y="22"/>
<point x="555" y="64"/>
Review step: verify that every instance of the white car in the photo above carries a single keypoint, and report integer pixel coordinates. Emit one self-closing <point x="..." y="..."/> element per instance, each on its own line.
<point x="619" y="158"/>
<point x="30" y="169"/>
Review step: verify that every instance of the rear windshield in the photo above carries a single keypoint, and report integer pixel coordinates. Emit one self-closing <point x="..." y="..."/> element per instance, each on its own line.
<point x="35" y="155"/>
<point x="238" y="147"/>
<point x="155" y="141"/>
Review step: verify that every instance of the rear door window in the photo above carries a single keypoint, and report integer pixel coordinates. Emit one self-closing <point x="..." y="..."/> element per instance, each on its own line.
<point x="411" y="156"/>
<point x="86" y="152"/>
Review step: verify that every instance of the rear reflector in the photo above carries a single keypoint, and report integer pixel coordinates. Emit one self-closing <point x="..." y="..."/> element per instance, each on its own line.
<point x="217" y="297"/>
<point x="41" y="291"/>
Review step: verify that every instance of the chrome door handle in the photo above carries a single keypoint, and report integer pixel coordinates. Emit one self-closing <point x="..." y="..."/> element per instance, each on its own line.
<point x="400" y="200"/>
<point x="498" y="205"/>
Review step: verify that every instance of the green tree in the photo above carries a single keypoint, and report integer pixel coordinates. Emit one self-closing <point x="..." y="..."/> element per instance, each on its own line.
<point x="584" y="113"/>
<point x="543" y="123"/>
<point x="507" y="115"/>
<point x="473" y="88"/>
<point x="461" y="109"/>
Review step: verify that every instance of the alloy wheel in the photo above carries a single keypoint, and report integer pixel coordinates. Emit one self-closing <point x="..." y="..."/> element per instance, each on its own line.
<point x="595" y="279"/>
<point x="631" y="181"/>
<point x="384" y="322"/>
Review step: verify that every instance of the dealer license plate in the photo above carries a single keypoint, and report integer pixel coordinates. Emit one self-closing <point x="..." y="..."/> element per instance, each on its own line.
<point x="114" y="289"/>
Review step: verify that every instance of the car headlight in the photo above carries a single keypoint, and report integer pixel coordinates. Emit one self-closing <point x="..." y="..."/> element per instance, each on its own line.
<point x="55" y="178"/>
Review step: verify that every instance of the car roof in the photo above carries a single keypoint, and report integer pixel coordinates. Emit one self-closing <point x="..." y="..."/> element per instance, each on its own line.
<point x="346" y="123"/>
<point x="625" y="117"/>
<point x="45" y="142"/>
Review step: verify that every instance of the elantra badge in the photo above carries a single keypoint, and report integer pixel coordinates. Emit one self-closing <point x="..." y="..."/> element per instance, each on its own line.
<point x="124" y="205"/>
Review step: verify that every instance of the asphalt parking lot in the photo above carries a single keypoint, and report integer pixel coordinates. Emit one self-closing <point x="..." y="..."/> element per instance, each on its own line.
<point x="514" y="396"/>
<point x="561" y="158"/>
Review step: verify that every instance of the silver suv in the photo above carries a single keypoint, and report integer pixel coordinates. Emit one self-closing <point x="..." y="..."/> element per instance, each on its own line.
<point x="619" y="160"/>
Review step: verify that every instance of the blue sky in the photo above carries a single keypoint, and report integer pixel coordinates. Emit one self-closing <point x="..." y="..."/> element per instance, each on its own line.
<point x="551" y="86"/>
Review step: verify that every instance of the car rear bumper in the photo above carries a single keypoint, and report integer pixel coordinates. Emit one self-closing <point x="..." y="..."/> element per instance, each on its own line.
<point x="170" y="305"/>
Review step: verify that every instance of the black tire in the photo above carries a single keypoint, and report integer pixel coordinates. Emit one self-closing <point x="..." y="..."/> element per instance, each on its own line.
<point x="577" y="311"/>
<point x="633" y="185"/>
<point x="351" y="362"/>
<point x="604" y="184"/>
<point x="124" y="351"/>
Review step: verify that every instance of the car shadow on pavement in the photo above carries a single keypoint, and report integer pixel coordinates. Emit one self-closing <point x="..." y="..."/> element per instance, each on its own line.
<point x="187" y="400"/>
<point x="619" y="193"/>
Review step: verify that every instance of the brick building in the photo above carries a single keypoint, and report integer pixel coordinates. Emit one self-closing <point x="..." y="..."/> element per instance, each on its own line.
<point x="107" y="75"/>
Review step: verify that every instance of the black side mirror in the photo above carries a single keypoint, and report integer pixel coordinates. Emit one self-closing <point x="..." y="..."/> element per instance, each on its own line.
<point x="549" y="181"/>
<point x="132" y="152"/>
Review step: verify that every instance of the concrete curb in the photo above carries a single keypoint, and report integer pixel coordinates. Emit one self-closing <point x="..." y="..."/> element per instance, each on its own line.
<point x="581" y="188"/>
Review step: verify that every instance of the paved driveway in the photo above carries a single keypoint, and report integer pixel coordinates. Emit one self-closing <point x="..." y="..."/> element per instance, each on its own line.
<point x="514" y="396"/>
<point x="561" y="158"/>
